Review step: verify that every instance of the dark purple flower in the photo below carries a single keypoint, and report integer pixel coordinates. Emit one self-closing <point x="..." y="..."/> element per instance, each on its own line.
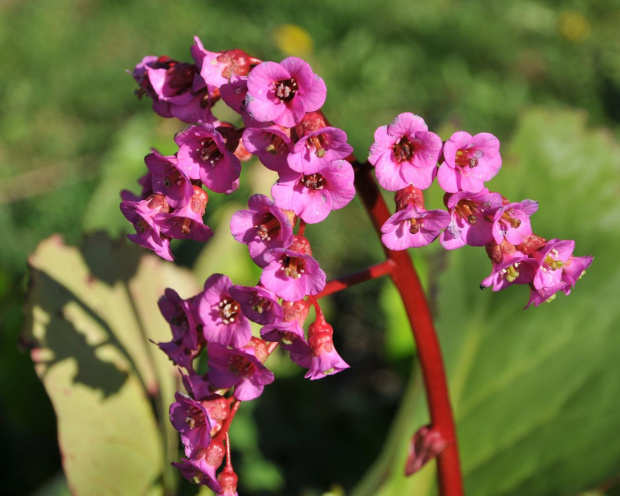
<point x="191" y="419"/>
<point x="168" y="180"/>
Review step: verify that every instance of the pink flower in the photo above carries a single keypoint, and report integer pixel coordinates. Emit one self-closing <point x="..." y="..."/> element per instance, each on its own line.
<point x="404" y="153"/>
<point x="221" y="316"/>
<point x="190" y="418"/>
<point x="314" y="151"/>
<point x="292" y="274"/>
<point x="413" y="227"/>
<point x="514" y="268"/>
<point x="469" y="218"/>
<point x="263" y="227"/>
<point x="238" y="368"/>
<point x="284" y="92"/>
<point x="312" y="197"/>
<point x="290" y="332"/>
<point x="271" y="144"/>
<point x="200" y="469"/>
<point x="168" y="180"/>
<point x="324" y="359"/>
<point x="258" y="304"/>
<point x="469" y="162"/>
<point x="512" y="222"/>
<point x="206" y="153"/>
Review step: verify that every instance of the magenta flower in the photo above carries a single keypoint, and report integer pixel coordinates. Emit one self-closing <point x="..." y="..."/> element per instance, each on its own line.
<point x="263" y="227"/>
<point x="191" y="420"/>
<point x="470" y="222"/>
<point x="143" y="216"/>
<point x="312" y="197"/>
<point x="469" y="162"/>
<point x="514" y="268"/>
<point x="204" y="154"/>
<point x="413" y="227"/>
<point x="258" y="304"/>
<point x="512" y="222"/>
<point x="284" y="92"/>
<point x="200" y="469"/>
<point x="271" y="144"/>
<point x="184" y="223"/>
<point x="314" y="151"/>
<point x="168" y="180"/>
<point x="292" y="275"/>
<point x="558" y="270"/>
<point x="238" y="368"/>
<point x="404" y="153"/>
<point x="221" y="316"/>
<point x="325" y="360"/>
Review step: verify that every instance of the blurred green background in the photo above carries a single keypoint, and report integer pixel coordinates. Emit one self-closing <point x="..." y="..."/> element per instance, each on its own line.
<point x="535" y="392"/>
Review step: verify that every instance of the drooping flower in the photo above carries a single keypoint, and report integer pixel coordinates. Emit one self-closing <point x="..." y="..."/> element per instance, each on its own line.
<point x="200" y="469"/>
<point x="191" y="419"/>
<point x="512" y="221"/>
<point x="258" y="304"/>
<point x="168" y="180"/>
<point x="324" y="359"/>
<point x="284" y="92"/>
<point x="293" y="274"/>
<point x="413" y="227"/>
<point x="290" y="332"/>
<point x="271" y="144"/>
<point x="312" y="197"/>
<point x="315" y="150"/>
<point x="263" y="227"/>
<point x="470" y="218"/>
<point x="221" y="316"/>
<point x="469" y="161"/>
<point x="404" y="153"/>
<point x="514" y="268"/>
<point x="238" y="368"/>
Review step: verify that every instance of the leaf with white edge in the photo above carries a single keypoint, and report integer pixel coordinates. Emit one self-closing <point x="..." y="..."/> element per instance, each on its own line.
<point x="534" y="392"/>
<point x="90" y="314"/>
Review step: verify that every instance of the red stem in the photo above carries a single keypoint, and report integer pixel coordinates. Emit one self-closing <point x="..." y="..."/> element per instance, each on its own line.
<point x="429" y="352"/>
<point x="363" y="275"/>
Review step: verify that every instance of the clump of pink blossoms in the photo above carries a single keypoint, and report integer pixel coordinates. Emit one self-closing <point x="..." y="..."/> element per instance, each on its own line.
<point x="279" y="105"/>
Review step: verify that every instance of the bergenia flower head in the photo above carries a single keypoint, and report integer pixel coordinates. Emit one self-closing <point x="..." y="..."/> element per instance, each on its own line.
<point x="238" y="368"/>
<point x="262" y="227"/>
<point x="469" y="161"/>
<point x="413" y="227"/>
<point x="284" y="92"/>
<point x="470" y="218"/>
<point x="404" y="153"/>
<point x="317" y="149"/>
<point x="312" y="197"/>
<point x="221" y="316"/>
<point x="207" y="153"/>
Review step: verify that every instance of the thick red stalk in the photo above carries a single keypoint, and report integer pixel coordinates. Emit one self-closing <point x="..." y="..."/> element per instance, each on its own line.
<point x="408" y="284"/>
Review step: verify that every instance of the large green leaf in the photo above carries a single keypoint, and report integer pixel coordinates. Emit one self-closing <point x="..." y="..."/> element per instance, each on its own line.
<point x="90" y="314"/>
<point x="534" y="392"/>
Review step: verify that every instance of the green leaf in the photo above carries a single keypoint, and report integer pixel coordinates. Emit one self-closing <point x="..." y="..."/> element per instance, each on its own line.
<point x="534" y="392"/>
<point x="90" y="314"/>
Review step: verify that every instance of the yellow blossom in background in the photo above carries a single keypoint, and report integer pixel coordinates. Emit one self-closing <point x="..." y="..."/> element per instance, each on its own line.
<point x="573" y="26"/>
<point x="293" y="40"/>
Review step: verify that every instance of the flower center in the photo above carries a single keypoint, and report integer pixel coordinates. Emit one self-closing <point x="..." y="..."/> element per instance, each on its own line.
<point x="507" y="217"/>
<point x="259" y="304"/>
<point x="468" y="157"/>
<point x="181" y="77"/>
<point x="467" y="209"/>
<point x="510" y="273"/>
<point x="276" y="146"/>
<point x="416" y="224"/>
<point x="404" y="150"/>
<point x="318" y="143"/>
<point x="184" y="224"/>
<point x="241" y="366"/>
<point x="285" y="90"/>
<point x="313" y="181"/>
<point x="552" y="262"/>
<point x="173" y="178"/>
<point x="194" y="418"/>
<point x="209" y="152"/>
<point x="293" y="266"/>
<point x="269" y="228"/>
<point x="228" y="310"/>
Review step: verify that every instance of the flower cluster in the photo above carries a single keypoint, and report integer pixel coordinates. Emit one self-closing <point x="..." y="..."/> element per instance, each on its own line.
<point x="407" y="158"/>
<point x="279" y="105"/>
